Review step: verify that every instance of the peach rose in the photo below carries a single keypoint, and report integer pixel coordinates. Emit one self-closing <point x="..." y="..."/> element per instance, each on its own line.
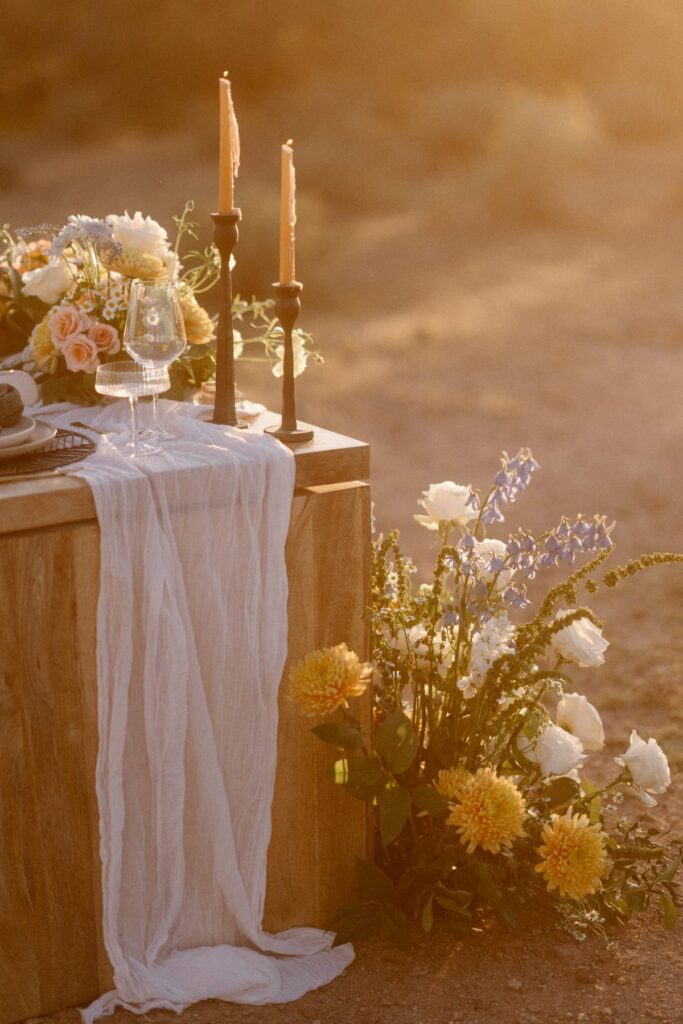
<point x="65" y="322"/>
<point x="80" y="353"/>
<point x="105" y="337"/>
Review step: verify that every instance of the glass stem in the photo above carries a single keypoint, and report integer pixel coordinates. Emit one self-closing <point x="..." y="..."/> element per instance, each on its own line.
<point x="155" y="422"/>
<point x="133" y="421"/>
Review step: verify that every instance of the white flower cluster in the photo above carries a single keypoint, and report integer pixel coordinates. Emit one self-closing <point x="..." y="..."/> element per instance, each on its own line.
<point x="560" y="749"/>
<point x="115" y="297"/>
<point x="142" y="234"/>
<point x="494" y="639"/>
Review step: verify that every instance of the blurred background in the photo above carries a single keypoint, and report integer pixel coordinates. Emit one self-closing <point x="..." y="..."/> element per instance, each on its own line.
<point x="490" y="200"/>
<point x="490" y="236"/>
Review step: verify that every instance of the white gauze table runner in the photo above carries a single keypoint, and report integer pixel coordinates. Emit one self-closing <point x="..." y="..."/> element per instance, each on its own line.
<point x="191" y="643"/>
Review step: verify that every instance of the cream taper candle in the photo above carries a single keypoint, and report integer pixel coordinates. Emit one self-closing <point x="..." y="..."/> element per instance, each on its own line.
<point x="287" y="213"/>
<point x="229" y="159"/>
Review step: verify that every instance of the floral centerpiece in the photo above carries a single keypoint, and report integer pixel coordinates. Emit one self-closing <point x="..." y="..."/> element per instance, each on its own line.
<point x="476" y="764"/>
<point x="64" y="296"/>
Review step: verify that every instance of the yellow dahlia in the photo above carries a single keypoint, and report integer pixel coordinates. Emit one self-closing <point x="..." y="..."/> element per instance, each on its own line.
<point x="198" y="324"/>
<point x="573" y="855"/>
<point x="42" y="345"/>
<point x="325" y="679"/>
<point x="133" y="263"/>
<point x="451" y="782"/>
<point x="490" y="812"/>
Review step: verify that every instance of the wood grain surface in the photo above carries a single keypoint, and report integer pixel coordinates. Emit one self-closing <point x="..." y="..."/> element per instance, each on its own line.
<point x="319" y="829"/>
<point x="48" y="898"/>
<point x="51" y="949"/>
<point x="32" y="504"/>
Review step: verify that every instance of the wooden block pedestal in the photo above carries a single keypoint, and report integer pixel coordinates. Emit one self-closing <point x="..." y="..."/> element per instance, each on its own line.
<point x="51" y="950"/>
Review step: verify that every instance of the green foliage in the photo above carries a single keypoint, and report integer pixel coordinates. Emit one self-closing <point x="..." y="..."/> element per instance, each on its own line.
<point x="339" y="735"/>
<point x="396" y="742"/>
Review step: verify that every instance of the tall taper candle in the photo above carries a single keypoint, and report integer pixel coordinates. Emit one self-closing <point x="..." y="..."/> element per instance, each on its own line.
<point x="287" y="214"/>
<point x="229" y="160"/>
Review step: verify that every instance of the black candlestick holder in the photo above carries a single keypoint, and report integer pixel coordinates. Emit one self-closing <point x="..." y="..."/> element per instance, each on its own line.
<point x="225" y="235"/>
<point x="287" y="308"/>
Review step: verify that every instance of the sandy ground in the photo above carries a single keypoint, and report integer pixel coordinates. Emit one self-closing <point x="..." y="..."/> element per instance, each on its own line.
<point x="454" y="340"/>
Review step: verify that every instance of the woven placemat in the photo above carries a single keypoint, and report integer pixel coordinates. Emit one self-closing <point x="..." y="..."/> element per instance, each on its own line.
<point x="66" y="447"/>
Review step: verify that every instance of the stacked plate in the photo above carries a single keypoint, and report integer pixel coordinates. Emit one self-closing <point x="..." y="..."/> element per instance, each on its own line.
<point x="26" y="436"/>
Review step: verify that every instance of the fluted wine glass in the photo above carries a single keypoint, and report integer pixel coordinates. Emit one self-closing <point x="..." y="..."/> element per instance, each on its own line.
<point x="126" y="379"/>
<point x="154" y="334"/>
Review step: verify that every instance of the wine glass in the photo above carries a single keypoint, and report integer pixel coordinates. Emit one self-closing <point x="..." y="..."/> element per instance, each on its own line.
<point x="154" y="334"/>
<point x="126" y="379"/>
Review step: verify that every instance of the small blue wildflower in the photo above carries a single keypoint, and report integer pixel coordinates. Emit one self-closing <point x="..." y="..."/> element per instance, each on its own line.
<point x="516" y="596"/>
<point x="511" y="479"/>
<point x="80" y="228"/>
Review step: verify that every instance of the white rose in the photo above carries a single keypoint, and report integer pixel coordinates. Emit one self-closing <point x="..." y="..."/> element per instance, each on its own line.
<point x="445" y="502"/>
<point x="484" y="551"/>
<point x="48" y="283"/>
<point x="580" y="642"/>
<point x="648" y="766"/>
<point x="140" y="233"/>
<point x="556" y="751"/>
<point x="578" y="716"/>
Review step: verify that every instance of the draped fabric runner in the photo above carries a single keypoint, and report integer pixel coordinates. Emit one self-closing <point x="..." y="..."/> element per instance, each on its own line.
<point x="191" y="643"/>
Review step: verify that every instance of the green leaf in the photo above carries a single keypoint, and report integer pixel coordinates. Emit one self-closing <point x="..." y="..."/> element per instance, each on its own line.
<point x="492" y="893"/>
<point x="396" y="742"/>
<point x="634" y="900"/>
<point x="595" y="806"/>
<point x="54" y="389"/>
<point x="622" y="906"/>
<point x="562" y="791"/>
<point x="394" y="925"/>
<point x="669" y="911"/>
<point x="427" y="915"/>
<point x="364" y="776"/>
<point x="670" y="872"/>
<point x="354" y="921"/>
<point x="428" y="799"/>
<point x="394" y="811"/>
<point x="339" y="735"/>
<point x="452" y="906"/>
<point x="373" y="883"/>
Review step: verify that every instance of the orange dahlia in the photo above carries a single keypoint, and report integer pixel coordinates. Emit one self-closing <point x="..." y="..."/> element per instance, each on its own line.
<point x="451" y="782"/>
<point x="325" y="679"/>
<point x="573" y="857"/>
<point x="490" y="812"/>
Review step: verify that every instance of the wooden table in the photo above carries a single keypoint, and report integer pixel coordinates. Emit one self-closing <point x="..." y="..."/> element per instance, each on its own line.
<point x="51" y="950"/>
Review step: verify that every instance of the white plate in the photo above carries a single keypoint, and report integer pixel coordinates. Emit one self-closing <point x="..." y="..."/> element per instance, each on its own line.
<point x="10" y="437"/>
<point x="42" y="434"/>
<point x="24" y="383"/>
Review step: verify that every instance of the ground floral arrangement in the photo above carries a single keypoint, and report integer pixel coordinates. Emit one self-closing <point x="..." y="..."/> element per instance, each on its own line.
<point x="64" y="297"/>
<point x="475" y="759"/>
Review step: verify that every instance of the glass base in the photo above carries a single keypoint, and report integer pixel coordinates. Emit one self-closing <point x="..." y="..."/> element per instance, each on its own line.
<point x="137" y="449"/>
<point x="153" y="435"/>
